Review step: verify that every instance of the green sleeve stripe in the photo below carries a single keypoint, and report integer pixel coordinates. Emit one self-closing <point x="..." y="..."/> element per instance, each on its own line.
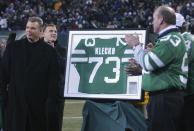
<point x="147" y="65"/>
<point x="78" y="52"/>
<point x="79" y="59"/>
<point x="156" y="59"/>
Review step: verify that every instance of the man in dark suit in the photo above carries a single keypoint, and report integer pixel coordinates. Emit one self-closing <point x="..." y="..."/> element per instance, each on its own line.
<point x="29" y="91"/>
<point x="50" y="37"/>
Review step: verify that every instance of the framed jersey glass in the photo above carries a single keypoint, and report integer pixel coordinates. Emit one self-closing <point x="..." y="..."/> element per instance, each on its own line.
<point x="95" y="65"/>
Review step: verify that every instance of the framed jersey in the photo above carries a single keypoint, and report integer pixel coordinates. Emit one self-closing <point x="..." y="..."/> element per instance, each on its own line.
<point x="95" y="65"/>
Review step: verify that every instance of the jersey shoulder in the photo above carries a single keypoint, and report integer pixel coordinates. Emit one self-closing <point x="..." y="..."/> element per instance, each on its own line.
<point x="171" y="36"/>
<point x="188" y="36"/>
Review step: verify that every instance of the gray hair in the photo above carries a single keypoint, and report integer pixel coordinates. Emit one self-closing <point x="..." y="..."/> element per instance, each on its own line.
<point x="168" y="14"/>
<point x="36" y="19"/>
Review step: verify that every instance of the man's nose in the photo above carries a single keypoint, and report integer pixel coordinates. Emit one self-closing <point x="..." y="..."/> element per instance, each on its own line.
<point x="29" y="30"/>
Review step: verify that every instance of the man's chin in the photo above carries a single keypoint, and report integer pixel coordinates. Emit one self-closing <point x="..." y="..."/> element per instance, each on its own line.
<point x="53" y="40"/>
<point x="31" y="39"/>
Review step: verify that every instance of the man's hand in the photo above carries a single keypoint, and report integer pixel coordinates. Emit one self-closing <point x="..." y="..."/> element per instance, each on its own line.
<point x="149" y="47"/>
<point x="133" y="69"/>
<point x="132" y="40"/>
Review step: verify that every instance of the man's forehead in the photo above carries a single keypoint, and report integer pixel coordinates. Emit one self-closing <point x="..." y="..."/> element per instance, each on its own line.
<point x="29" y="23"/>
<point x="156" y="12"/>
<point x="51" y="28"/>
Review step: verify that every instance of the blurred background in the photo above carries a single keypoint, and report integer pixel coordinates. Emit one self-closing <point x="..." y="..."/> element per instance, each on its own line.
<point x="88" y="14"/>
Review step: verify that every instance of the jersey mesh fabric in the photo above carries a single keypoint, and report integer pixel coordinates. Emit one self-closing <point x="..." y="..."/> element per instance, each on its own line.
<point x="110" y="77"/>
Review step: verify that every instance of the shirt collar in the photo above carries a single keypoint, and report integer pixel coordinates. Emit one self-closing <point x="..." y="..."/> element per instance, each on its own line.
<point x="167" y="28"/>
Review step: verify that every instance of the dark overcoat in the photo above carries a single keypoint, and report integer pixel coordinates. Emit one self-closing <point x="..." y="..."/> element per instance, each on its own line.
<point x="62" y="57"/>
<point x="29" y="88"/>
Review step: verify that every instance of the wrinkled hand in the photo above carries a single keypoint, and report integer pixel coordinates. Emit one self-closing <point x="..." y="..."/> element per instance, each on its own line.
<point x="133" y="69"/>
<point x="149" y="47"/>
<point x="132" y="40"/>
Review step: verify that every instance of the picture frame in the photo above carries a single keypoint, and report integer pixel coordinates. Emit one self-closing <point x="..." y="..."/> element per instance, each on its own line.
<point x="95" y="65"/>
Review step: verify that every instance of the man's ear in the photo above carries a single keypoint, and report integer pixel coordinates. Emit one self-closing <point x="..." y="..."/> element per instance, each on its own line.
<point x="161" y="19"/>
<point x="42" y="33"/>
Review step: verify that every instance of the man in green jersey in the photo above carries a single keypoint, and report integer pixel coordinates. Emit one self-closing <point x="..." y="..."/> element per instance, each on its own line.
<point x="188" y="114"/>
<point x="165" y="71"/>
